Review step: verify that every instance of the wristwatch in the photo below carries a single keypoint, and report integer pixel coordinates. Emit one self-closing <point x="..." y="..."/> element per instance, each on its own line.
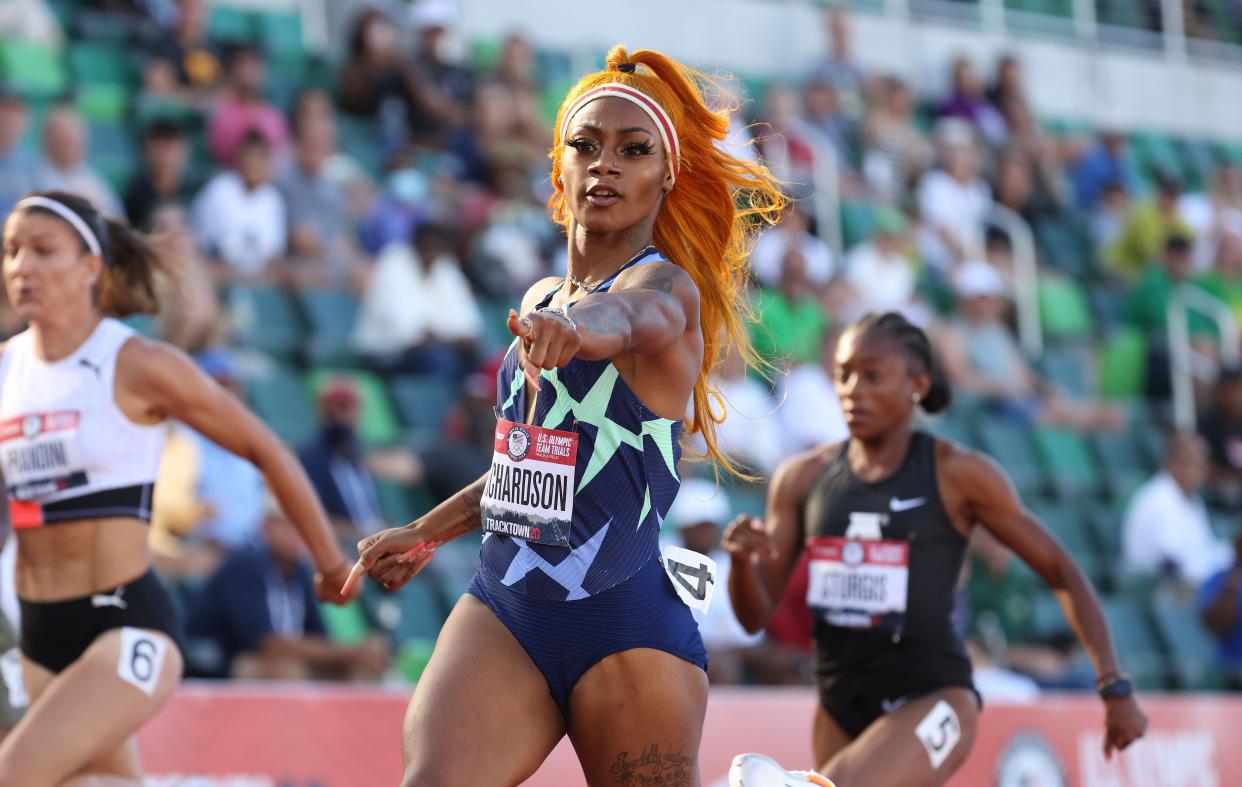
<point x="1115" y="685"/>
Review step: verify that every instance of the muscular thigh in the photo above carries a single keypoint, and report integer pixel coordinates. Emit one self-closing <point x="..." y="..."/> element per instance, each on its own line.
<point x="919" y="744"/>
<point x="481" y="713"/>
<point x="83" y="720"/>
<point x="636" y="718"/>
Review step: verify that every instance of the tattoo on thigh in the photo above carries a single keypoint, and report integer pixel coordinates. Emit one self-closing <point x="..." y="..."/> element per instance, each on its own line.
<point x="651" y="767"/>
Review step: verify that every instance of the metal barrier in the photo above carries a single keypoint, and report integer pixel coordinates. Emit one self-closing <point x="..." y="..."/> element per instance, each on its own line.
<point x="1185" y="364"/>
<point x="1025" y="276"/>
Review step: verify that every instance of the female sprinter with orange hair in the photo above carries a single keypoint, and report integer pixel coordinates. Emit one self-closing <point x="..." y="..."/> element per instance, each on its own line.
<point x="571" y="624"/>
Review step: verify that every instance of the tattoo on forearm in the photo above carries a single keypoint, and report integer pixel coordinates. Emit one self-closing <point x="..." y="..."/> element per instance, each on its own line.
<point x="661" y="279"/>
<point x="472" y="503"/>
<point x="672" y="768"/>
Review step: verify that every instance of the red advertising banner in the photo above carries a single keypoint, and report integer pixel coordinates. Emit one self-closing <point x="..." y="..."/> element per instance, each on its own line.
<point x="296" y="735"/>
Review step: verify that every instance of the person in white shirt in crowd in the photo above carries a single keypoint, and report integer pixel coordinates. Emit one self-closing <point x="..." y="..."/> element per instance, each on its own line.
<point x="1213" y="214"/>
<point x="240" y="216"/>
<point x="953" y="199"/>
<point x="418" y="313"/>
<point x="880" y="273"/>
<point x="64" y="166"/>
<point x="751" y="432"/>
<point x="700" y="513"/>
<point x="810" y="412"/>
<point x="1166" y="531"/>
<point x="792" y="234"/>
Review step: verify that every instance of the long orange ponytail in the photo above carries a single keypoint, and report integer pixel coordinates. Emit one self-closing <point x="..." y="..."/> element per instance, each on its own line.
<point x="707" y="223"/>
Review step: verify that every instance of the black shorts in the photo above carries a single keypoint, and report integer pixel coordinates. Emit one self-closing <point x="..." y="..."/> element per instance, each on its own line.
<point x="856" y="700"/>
<point x="56" y="633"/>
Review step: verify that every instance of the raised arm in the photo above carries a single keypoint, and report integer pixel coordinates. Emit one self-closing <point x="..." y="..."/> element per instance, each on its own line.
<point x="649" y="309"/>
<point x="991" y="501"/>
<point x="764" y="552"/>
<point x="169" y="385"/>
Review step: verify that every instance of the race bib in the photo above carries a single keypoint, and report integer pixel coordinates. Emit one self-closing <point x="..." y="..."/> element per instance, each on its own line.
<point x="693" y="575"/>
<point x="530" y="492"/>
<point x="40" y="455"/>
<point x="858" y="584"/>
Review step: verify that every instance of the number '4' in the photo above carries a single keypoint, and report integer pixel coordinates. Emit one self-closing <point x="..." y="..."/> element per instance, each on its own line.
<point x="702" y="574"/>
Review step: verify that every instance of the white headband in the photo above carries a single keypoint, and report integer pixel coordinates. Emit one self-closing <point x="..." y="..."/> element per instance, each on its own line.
<point x="663" y="124"/>
<point x="69" y="215"/>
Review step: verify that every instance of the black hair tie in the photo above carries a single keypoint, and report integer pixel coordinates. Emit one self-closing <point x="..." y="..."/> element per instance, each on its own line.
<point x="626" y="67"/>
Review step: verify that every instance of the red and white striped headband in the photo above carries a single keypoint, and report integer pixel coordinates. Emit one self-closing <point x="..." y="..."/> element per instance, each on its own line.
<point x="663" y="124"/>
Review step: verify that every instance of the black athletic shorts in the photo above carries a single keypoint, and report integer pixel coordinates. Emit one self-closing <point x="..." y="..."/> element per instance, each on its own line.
<point x="56" y="633"/>
<point x="855" y="700"/>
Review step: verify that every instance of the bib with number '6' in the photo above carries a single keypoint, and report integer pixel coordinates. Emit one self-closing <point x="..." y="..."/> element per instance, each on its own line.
<point x="858" y="584"/>
<point x="530" y="493"/>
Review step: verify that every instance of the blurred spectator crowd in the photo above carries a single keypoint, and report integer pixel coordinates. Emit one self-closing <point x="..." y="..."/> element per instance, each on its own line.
<point x="353" y="231"/>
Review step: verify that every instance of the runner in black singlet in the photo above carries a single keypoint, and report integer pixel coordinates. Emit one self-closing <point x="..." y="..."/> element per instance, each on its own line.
<point x="886" y="517"/>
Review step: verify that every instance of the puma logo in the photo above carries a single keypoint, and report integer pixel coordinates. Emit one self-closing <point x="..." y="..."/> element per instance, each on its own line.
<point x="897" y="505"/>
<point x="114" y="600"/>
<point x="93" y="367"/>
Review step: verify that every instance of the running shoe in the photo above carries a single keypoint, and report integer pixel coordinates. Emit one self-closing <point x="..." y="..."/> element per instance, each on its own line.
<point x="758" y="770"/>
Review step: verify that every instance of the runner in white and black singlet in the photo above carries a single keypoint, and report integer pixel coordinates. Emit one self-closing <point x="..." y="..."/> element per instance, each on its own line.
<point x="886" y="517"/>
<point x="84" y="403"/>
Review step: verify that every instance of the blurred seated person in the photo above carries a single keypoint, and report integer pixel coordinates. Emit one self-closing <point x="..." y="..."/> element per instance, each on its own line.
<point x="189" y="315"/>
<point x="792" y="235"/>
<point x="18" y="169"/>
<point x="257" y="618"/>
<point x="790" y="319"/>
<point x="1166" y="531"/>
<point x="1221" y="428"/>
<point x="242" y="109"/>
<point x="1224" y="280"/>
<point x="982" y="357"/>
<point x="969" y="102"/>
<point x="342" y="472"/>
<point x="810" y="412"/>
<point x="1146" y="231"/>
<point x="953" y="199"/>
<point x="208" y="501"/>
<point x="323" y="250"/>
<point x="700" y="514"/>
<point x="881" y="274"/>
<point x="166" y="157"/>
<point x="462" y="450"/>
<point x="1220" y="599"/>
<point x="750" y="434"/>
<point x="240" y="216"/>
<point x="196" y="61"/>
<point x="65" y="165"/>
<point x="418" y="313"/>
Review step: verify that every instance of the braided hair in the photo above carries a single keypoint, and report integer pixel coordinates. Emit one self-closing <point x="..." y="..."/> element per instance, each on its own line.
<point x="915" y="344"/>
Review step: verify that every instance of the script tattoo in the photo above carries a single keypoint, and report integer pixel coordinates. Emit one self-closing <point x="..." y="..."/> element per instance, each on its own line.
<point x="471" y="502"/>
<point x="651" y="768"/>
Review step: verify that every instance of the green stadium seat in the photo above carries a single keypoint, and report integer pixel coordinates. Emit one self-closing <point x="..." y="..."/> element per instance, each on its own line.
<point x="377" y="424"/>
<point x="359" y="137"/>
<point x="394" y="502"/>
<point x="1154" y="152"/>
<point x="103" y="103"/>
<point x="496" y="336"/>
<point x="455" y="563"/>
<point x="1123" y="364"/>
<point x="346" y="625"/>
<point x="279" y="398"/>
<point x="111" y="152"/>
<point x="330" y="316"/>
<point x="422" y="609"/>
<point x="1010" y="444"/>
<point x="281" y="34"/>
<point x="1200" y="159"/>
<point x="1192" y="650"/>
<point x="1107" y="303"/>
<point x="34" y="70"/>
<point x="1122" y="464"/>
<point x="92" y="25"/>
<point x="1065" y="244"/>
<point x="1136" y="641"/>
<point x="1063" y="309"/>
<point x="1067" y="521"/>
<point x="1105" y="520"/>
<point x="264" y="318"/>
<point x="1067" y="460"/>
<point x="231" y="25"/>
<point x="422" y="402"/>
<point x="857" y="222"/>
<point x="485" y="54"/>
<point x="1151" y="439"/>
<point x="1069" y="367"/>
<point x="100" y="62"/>
<point x="1047" y="621"/>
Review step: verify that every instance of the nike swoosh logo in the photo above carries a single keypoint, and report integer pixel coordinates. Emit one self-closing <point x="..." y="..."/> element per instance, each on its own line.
<point x="898" y="505"/>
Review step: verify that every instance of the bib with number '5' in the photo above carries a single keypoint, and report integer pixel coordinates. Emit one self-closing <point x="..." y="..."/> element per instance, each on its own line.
<point x="530" y="493"/>
<point x="858" y="584"/>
